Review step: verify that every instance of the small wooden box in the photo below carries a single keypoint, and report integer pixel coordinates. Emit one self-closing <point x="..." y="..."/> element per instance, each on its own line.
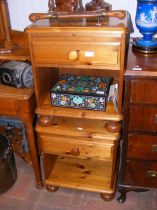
<point x="83" y="92"/>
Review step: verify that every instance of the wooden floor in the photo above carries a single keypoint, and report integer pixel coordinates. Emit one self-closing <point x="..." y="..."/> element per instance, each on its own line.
<point x="24" y="196"/>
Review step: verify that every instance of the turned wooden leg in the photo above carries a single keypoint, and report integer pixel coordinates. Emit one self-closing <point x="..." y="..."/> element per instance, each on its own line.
<point x="6" y="27"/>
<point x="107" y="196"/>
<point x="123" y="193"/>
<point x="51" y="5"/>
<point x="34" y="155"/>
<point x="52" y="188"/>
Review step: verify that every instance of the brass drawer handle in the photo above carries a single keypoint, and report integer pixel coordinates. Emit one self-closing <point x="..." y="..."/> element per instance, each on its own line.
<point x="151" y="173"/>
<point x="154" y="147"/>
<point x="73" y="55"/>
<point x="75" y="151"/>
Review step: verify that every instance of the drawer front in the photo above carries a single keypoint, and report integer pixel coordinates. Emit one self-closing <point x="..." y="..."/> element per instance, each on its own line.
<point x="143" y="118"/>
<point x="77" y="53"/>
<point x="79" y="148"/>
<point x="142" y="147"/>
<point x="8" y="107"/>
<point x="141" y="173"/>
<point x="143" y="91"/>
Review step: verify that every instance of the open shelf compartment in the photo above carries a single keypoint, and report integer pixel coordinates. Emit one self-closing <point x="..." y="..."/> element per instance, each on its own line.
<point x="47" y="109"/>
<point x="83" y="174"/>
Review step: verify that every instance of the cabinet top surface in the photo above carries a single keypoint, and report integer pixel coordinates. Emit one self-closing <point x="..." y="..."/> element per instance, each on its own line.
<point x="147" y="64"/>
<point x="106" y="24"/>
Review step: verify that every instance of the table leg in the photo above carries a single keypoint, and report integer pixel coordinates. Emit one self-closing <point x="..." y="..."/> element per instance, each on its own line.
<point x="34" y="154"/>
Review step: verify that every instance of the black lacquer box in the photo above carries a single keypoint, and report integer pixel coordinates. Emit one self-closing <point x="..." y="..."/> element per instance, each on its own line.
<point x="84" y="92"/>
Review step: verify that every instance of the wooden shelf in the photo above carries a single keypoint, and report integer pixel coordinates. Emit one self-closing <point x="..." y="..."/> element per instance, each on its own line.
<point x="16" y="93"/>
<point x="91" y="175"/>
<point x="20" y="54"/>
<point x="47" y="109"/>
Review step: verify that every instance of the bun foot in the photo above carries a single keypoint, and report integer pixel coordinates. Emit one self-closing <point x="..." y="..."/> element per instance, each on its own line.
<point x="51" y="188"/>
<point x="113" y="126"/>
<point x="106" y="196"/>
<point x="45" y="120"/>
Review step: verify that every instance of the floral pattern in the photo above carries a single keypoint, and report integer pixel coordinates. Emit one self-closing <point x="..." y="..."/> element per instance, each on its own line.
<point x="83" y="92"/>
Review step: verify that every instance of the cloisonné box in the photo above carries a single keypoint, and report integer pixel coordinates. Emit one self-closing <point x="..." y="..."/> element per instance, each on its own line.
<point x="84" y="92"/>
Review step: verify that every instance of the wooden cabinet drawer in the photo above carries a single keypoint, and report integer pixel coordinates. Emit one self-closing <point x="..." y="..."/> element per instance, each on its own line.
<point x="83" y="148"/>
<point x="144" y="91"/>
<point x="143" y="118"/>
<point x="8" y="106"/>
<point x="141" y="173"/>
<point x="77" y="53"/>
<point x="143" y="147"/>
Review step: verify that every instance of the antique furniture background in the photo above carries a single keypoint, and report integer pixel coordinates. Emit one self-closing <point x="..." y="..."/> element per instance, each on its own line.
<point x="77" y="6"/>
<point x="78" y="147"/>
<point x="1" y="29"/>
<point x="6" y="42"/>
<point x="138" y="161"/>
<point x="67" y="6"/>
<point x="97" y="5"/>
<point x="20" y="103"/>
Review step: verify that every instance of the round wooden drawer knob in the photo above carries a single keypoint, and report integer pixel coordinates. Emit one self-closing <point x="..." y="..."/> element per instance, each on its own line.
<point x="73" y="55"/>
<point x="75" y="151"/>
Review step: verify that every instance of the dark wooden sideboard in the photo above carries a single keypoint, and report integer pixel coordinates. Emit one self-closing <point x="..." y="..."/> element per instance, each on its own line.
<point x="138" y="156"/>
